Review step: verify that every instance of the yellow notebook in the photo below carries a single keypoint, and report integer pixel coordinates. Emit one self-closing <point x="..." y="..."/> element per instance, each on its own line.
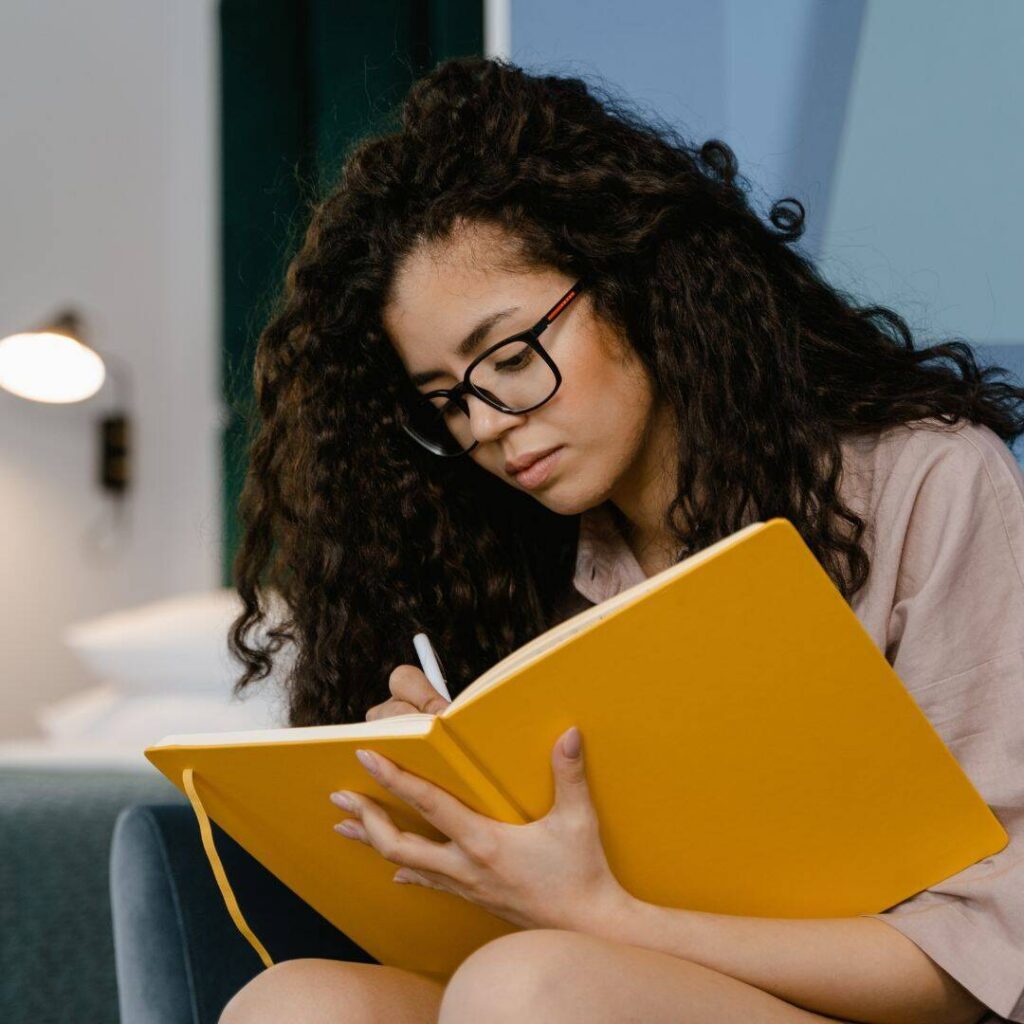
<point x="748" y="747"/>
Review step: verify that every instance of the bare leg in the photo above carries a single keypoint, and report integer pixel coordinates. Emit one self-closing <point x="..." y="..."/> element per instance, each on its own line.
<point x="314" y="991"/>
<point x="565" y="977"/>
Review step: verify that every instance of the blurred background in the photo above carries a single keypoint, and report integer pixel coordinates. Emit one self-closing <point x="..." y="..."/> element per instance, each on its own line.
<point x="155" y="159"/>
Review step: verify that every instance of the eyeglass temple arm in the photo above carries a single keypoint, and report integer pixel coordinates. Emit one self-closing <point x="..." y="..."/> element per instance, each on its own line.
<point x="557" y="308"/>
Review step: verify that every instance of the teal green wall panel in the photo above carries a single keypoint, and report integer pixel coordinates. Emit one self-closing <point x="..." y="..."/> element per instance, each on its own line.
<point x="301" y="81"/>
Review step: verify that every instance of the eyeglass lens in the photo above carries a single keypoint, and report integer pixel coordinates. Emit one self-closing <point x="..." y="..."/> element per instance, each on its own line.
<point x="514" y="375"/>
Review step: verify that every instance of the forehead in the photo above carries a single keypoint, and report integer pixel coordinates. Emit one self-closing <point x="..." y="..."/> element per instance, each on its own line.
<point x="473" y="256"/>
<point x="429" y="284"/>
<point x="441" y="290"/>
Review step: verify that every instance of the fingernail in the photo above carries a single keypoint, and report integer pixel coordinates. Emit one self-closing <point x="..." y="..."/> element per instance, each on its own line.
<point x="368" y="761"/>
<point x="571" y="743"/>
<point x="348" y="828"/>
<point x="344" y="799"/>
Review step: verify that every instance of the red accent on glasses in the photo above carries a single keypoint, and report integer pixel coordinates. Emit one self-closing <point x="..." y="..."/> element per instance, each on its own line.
<point x="558" y="309"/>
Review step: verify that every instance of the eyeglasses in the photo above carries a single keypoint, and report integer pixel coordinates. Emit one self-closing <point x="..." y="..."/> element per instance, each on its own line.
<point x="514" y="376"/>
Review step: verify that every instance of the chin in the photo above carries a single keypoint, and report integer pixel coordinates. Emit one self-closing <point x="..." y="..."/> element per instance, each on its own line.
<point x="564" y="502"/>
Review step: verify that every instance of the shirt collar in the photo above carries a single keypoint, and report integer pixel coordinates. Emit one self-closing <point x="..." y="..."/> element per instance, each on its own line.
<point x="605" y="563"/>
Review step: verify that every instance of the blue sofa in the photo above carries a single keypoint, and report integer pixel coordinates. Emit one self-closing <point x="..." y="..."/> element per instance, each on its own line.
<point x="56" y="936"/>
<point x="179" y="956"/>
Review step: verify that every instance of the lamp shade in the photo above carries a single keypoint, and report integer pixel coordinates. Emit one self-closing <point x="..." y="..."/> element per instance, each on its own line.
<point x="46" y="366"/>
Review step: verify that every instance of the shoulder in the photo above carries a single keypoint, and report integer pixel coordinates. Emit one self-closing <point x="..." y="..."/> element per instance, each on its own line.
<point x="956" y="492"/>
<point x="926" y="466"/>
<point x="944" y="509"/>
<point x="966" y="447"/>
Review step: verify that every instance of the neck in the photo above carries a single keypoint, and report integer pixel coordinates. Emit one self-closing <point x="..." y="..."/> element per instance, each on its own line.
<point x="645" y="492"/>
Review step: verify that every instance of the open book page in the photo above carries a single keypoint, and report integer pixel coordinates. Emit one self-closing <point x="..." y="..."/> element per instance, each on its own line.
<point x="412" y="724"/>
<point x="543" y="643"/>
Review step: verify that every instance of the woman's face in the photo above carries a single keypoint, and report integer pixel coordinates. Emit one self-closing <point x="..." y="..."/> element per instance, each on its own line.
<point x="600" y="417"/>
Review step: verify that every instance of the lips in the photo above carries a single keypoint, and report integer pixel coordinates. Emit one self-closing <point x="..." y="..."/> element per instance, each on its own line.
<point x="534" y="459"/>
<point x="540" y="472"/>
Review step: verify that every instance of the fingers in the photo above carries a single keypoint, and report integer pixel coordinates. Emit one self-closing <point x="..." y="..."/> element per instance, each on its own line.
<point x="428" y="879"/>
<point x="473" y="833"/>
<point x="411" y="694"/>
<point x="407" y="849"/>
<point x="409" y="683"/>
<point x="390" y="708"/>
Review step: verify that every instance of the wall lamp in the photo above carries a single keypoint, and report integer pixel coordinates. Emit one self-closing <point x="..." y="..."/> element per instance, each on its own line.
<point x="52" y="364"/>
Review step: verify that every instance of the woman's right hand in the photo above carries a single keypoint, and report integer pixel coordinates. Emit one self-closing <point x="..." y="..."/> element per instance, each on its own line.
<point x="411" y="693"/>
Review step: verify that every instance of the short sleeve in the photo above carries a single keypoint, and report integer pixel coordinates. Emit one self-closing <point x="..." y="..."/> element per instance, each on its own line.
<point x="952" y="519"/>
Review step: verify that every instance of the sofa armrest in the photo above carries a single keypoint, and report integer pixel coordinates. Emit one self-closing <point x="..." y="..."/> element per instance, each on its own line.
<point x="179" y="956"/>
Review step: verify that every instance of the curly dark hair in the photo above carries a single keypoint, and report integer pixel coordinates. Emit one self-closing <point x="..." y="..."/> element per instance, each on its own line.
<point x="366" y="537"/>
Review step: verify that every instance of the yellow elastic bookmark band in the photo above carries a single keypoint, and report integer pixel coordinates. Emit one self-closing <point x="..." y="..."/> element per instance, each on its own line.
<point x="218" y="870"/>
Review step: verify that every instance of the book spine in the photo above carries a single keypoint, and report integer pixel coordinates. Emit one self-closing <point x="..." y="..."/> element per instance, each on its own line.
<point x="496" y="803"/>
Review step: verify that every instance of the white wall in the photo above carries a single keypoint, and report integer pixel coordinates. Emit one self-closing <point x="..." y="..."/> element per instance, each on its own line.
<point x="109" y="200"/>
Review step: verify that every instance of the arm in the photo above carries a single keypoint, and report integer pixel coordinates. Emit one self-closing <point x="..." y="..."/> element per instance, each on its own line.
<point x="852" y="968"/>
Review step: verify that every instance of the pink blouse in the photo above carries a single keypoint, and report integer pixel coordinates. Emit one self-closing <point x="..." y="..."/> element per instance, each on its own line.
<point x="944" y="602"/>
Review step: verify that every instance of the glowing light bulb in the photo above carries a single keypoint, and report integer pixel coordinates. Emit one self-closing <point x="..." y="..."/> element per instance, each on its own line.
<point x="45" y="366"/>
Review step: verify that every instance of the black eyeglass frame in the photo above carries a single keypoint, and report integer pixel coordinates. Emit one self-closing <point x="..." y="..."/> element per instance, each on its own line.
<point x="465" y="386"/>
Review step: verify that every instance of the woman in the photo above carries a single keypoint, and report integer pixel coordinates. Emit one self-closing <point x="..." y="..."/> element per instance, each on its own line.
<point x="522" y="270"/>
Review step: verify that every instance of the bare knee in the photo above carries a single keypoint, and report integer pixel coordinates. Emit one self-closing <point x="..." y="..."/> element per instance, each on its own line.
<point x="317" y="991"/>
<point x="520" y="976"/>
<point x="289" y="990"/>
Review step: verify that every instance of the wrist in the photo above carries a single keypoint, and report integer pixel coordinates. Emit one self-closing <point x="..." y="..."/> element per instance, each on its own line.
<point x="611" y="916"/>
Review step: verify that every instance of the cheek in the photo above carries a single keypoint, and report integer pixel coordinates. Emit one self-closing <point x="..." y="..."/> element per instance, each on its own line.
<point x="605" y="404"/>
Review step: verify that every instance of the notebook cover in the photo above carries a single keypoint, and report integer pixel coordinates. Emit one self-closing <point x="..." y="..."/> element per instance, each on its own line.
<point x="273" y="799"/>
<point x="749" y="751"/>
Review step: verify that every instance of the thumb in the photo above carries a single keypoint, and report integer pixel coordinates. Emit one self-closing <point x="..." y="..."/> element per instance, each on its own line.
<point x="570" y="774"/>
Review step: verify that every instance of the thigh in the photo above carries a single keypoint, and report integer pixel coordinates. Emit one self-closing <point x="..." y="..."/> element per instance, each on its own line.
<point x="315" y="991"/>
<point x="564" y="977"/>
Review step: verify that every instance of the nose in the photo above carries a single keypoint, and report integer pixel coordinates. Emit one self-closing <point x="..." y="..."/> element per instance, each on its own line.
<point x="487" y="423"/>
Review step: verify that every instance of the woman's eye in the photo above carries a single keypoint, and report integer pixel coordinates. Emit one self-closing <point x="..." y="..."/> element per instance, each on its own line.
<point x="445" y="406"/>
<point x="516" y="362"/>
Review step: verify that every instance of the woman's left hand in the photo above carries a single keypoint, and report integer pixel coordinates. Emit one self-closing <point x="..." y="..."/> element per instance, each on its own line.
<point x="549" y="873"/>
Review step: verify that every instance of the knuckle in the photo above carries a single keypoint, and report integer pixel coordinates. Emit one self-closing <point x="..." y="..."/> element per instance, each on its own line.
<point x="423" y="801"/>
<point x="581" y="824"/>
<point x="481" y="846"/>
<point x="410" y="684"/>
<point x="402" y="676"/>
<point x="390" y="849"/>
<point x="435" y="705"/>
<point x="577" y="817"/>
<point x="388" y="709"/>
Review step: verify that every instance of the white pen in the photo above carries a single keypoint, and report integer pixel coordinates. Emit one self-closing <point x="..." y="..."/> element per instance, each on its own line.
<point x="428" y="661"/>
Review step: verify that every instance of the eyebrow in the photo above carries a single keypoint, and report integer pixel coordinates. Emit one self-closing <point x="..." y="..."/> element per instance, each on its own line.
<point x="469" y="343"/>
